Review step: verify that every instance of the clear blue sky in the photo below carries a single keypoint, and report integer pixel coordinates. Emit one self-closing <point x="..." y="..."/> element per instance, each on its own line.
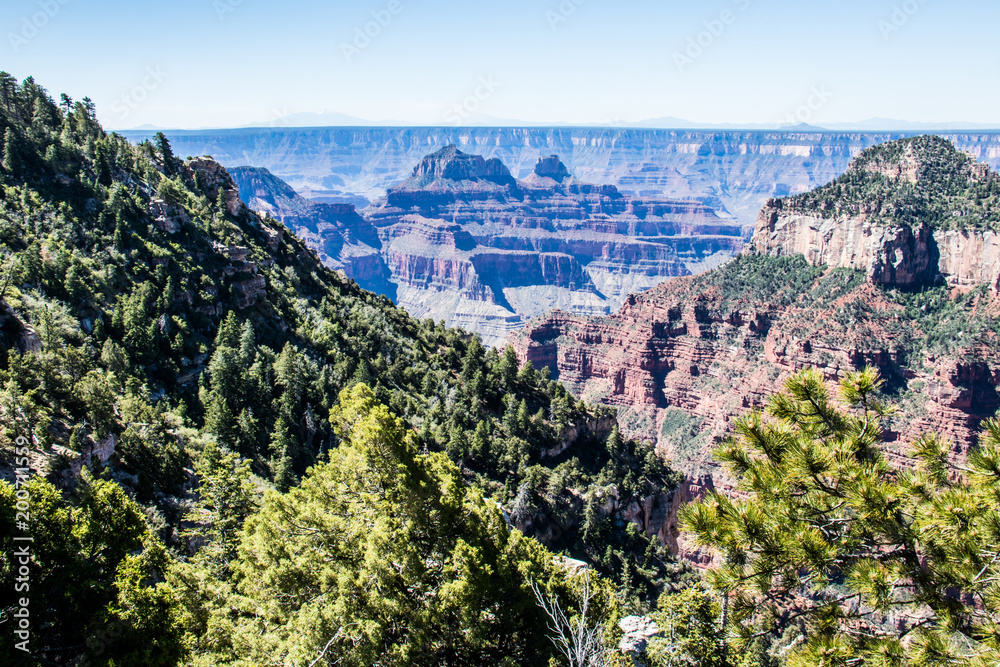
<point x="225" y="63"/>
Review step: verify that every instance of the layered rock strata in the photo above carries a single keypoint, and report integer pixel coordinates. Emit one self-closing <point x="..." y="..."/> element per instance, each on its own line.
<point x="462" y="240"/>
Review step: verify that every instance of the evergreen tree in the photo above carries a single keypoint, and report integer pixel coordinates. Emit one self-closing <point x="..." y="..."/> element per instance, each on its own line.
<point x="11" y="157"/>
<point x="93" y="560"/>
<point x="227" y="496"/>
<point x="507" y="368"/>
<point x="614" y="443"/>
<point x="383" y="556"/>
<point x="75" y="287"/>
<point x="166" y="153"/>
<point x="885" y="567"/>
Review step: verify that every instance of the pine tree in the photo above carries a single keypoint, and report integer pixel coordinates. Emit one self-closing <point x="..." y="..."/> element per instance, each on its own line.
<point x="830" y="533"/>
<point x="75" y="286"/>
<point x="527" y="374"/>
<point x="614" y="443"/>
<point x="11" y="158"/>
<point x="507" y="368"/>
<point x="523" y="417"/>
<point x="166" y="153"/>
<point x="382" y="538"/>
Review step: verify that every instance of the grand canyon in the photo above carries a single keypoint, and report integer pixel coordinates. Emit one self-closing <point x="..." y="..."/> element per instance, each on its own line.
<point x="732" y="171"/>
<point x="461" y="240"/>
<point x="815" y="288"/>
<point x="561" y="334"/>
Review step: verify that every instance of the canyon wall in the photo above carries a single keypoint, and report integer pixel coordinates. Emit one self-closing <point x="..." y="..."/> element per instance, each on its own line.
<point x="462" y="240"/>
<point x="898" y="255"/>
<point x="734" y="172"/>
<point x="816" y="287"/>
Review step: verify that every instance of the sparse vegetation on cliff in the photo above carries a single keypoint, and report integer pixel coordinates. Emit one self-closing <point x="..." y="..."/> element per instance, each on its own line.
<point x="913" y="182"/>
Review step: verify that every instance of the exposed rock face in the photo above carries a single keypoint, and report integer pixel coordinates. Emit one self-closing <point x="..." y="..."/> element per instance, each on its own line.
<point x="214" y="178"/>
<point x="889" y="256"/>
<point x="551" y="167"/>
<point x="636" y="633"/>
<point x="499" y="251"/>
<point x="463" y="241"/>
<point x="93" y="453"/>
<point x="15" y="333"/>
<point x="910" y="213"/>
<point x="249" y="291"/>
<point x="683" y="362"/>
<point x="167" y="217"/>
<point x="449" y="169"/>
<point x="899" y="256"/>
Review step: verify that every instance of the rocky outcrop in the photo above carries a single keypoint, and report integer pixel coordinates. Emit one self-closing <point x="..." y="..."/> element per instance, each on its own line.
<point x="461" y="226"/>
<point x="213" y="179"/>
<point x="167" y="217"/>
<point x="912" y="212"/>
<point x="899" y="255"/>
<point x="969" y="258"/>
<point x="450" y="171"/>
<point x="637" y="631"/>
<point x="93" y="453"/>
<point x="552" y="168"/>
<point x="15" y="333"/>
<point x="249" y="291"/>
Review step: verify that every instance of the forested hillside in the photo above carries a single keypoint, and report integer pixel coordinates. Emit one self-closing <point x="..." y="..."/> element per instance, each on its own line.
<point x="282" y="467"/>
<point x="216" y="451"/>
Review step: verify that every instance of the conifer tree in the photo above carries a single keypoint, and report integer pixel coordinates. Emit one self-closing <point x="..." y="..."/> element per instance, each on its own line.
<point x="167" y="158"/>
<point x="507" y="368"/>
<point x="11" y="159"/>
<point x="383" y="556"/>
<point x="885" y="566"/>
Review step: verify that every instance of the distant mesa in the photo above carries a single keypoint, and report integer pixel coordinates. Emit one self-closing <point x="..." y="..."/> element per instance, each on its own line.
<point x="552" y="167"/>
<point x="451" y="164"/>
<point x="462" y="240"/>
